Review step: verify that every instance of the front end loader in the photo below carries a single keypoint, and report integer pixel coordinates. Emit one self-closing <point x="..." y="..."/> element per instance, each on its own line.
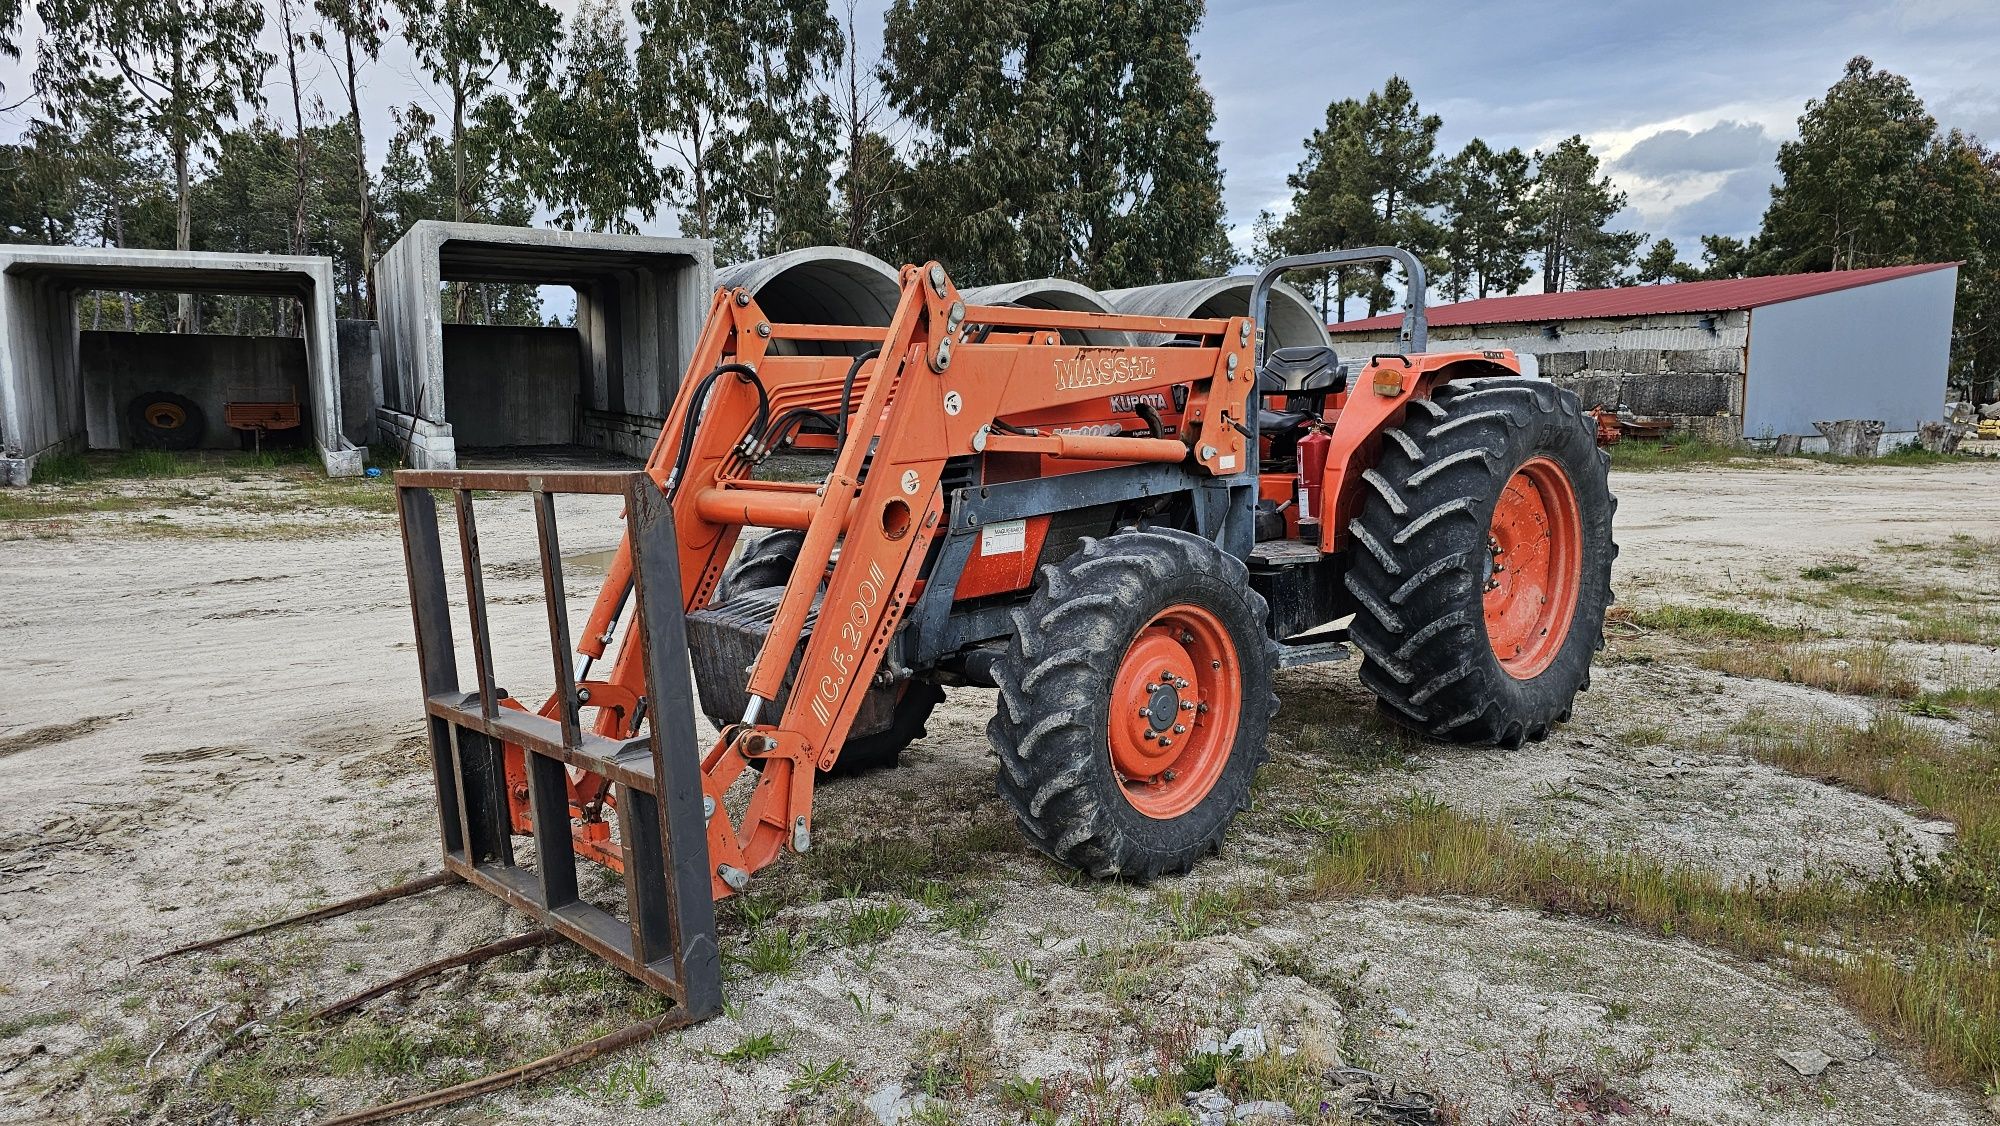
<point x="1125" y="542"/>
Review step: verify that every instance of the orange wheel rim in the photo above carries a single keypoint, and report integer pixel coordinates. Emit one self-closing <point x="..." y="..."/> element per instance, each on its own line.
<point x="166" y="416"/>
<point x="1174" y="707"/>
<point x="1535" y="549"/>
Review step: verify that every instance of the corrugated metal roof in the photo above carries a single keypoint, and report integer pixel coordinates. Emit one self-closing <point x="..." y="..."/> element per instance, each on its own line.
<point x="1644" y="300"/>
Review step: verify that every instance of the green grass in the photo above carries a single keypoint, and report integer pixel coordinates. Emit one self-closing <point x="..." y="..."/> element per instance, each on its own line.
<point x="1712" y="623"/>
<point x="1677" y="451"/>
<point x="157" y="484"/>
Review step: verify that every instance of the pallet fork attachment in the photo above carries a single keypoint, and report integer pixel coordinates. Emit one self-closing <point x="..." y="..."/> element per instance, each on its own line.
<point x="665" y="935"/>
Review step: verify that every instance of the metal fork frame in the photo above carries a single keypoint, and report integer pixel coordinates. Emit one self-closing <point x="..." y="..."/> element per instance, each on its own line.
<point x="668" y="937"/>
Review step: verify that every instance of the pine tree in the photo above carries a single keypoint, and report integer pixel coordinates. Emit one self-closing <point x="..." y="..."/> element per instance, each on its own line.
<point x="1398" y="153"/>
<point x="587" y="155"/>
<point x="1483" y="212"/>
<point x="1723" y="256"/>
<point x="1568" y="208"/>
<point x="1847" y="190"/>
<point x="1330" y="209"/>
<point x="1662" y="263"/>
<point x="189" y="65"/>
<point x="1064" y="138"/>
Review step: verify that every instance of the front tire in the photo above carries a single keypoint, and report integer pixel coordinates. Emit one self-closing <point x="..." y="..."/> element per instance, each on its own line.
<point x="1135" y="698"/>
<point x="1482" y="562"/>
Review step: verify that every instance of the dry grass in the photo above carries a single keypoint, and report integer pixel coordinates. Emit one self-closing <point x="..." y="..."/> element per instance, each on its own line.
<point x="1866" y="670"/>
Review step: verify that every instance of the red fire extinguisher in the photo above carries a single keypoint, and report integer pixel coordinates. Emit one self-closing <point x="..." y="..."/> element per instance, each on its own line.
<point x="1312" y="481"/>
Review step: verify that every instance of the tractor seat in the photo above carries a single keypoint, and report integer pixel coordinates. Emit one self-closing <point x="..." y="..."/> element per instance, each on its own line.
<point x="1300" y="371"/>
<point x="1272" y="422"/>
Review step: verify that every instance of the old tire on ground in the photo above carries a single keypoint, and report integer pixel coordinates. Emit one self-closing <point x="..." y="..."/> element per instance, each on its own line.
<point x="162" y="420"/>
<point x="769" y="562"/>
<point x="1482" y="562"/>
<point x="1090" y="758"/>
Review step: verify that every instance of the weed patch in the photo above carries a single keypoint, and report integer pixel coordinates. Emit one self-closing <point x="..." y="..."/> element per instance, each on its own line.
<point x="1863" y="671"/>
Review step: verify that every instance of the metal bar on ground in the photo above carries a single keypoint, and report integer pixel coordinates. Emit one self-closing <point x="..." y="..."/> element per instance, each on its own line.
<point x="476" y="954"/>
<point x="501" y="1080"/>
<point x="357" y="903"/>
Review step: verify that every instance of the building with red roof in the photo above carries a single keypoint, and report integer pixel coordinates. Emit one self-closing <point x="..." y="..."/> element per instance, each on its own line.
<point x="1756" y="358"/>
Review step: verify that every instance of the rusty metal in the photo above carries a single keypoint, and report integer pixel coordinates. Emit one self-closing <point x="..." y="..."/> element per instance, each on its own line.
<point x="470" y="957"/>
<point x="514" y="481"/>
<point x="666" y="937"/>
<point x="359" y="902"/>
<point x="534" y="1069"/>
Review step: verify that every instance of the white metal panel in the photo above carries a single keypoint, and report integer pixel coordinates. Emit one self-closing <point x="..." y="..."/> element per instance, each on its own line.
<point x="1876" y="351"/>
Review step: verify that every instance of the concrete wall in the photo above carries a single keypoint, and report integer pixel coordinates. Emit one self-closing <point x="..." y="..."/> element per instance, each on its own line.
<point x="212" y="370"/>
<point x="512" y="386"/>
<point x="1877" y="351"/>
<point x="1665" y="366"/>
<point x="42" y="399"/>
<point x="640" y="302"/>
<point x="358" y="345"/>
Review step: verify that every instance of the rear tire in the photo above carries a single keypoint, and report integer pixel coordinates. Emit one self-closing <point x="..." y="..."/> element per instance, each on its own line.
<point x="1457" y="641"/>
<point x="1093" y="786"/>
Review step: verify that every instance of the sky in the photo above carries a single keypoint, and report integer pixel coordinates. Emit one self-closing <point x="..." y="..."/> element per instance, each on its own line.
<point x="1686" y="102"/>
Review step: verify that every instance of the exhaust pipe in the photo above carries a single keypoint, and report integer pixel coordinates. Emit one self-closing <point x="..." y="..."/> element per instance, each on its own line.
<point x="818" y="285"/>
<point x="1292" y="321"/>
<point x="1054" y="293"/>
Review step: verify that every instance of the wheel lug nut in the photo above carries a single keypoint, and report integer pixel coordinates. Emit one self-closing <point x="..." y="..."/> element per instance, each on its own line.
<point x="1201" y="709"/>
<point x="1187" y="705"/>
<point x="1152" y="688"/>
<point x="1145" y="713"/>
<point x="1215" y="664"/>
<point x="1169" y="775"/>
<point x="1180" y="728"/>
<point x="1180" y="683"/>
<point x="1166" y="742"/>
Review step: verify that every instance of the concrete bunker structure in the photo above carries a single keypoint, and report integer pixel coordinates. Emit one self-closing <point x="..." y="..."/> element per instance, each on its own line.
<point x="607" y="382"/>
<point x="1292" y="320"/>
<point x="1054" y="293"/>
<point x="819" y="285"/>
<point x="62" y="389"/>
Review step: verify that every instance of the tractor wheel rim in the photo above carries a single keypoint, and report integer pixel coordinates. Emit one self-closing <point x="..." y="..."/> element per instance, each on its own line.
<point x="165" y="416"/>
<point x="1174" y="705"/>
<point x="1534" y="568"/>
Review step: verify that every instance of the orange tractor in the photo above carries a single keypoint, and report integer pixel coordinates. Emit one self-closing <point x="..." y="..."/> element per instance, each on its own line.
<point x="1127" y="542"/>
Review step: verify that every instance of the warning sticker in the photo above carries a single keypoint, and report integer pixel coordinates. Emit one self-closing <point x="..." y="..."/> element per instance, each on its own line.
<point x="1008" y="537"/>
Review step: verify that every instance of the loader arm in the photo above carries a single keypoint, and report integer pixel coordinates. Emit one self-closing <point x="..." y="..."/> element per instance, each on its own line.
<point x="930" y="394"/>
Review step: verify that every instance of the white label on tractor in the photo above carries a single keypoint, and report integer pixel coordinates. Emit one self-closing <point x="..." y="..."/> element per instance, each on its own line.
<point x="1008" y="537"/>
<point x="911" y="480"/>
<point x="1305" y="504"/>
<point x="1226" y="464"/>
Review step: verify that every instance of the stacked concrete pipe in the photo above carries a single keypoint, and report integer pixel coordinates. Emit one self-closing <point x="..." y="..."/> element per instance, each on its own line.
<point x="1053" y="293"/>
<point x="1291" y="322"/>
<point x="818" y="285"/>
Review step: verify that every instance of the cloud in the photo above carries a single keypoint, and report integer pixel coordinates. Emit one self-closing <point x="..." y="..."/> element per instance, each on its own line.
<point x="1736" y="207"/>
<point x="1723" y="147"/>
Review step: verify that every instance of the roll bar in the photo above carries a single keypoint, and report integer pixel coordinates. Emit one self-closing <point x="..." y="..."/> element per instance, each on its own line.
<point x="1415" y="333"/>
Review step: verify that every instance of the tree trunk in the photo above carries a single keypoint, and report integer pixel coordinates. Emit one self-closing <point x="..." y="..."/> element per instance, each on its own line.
<point x="183" y="224"/>
<point x="362" y="182"/>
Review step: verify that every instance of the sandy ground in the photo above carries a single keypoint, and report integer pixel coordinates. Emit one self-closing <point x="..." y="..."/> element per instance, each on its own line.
<point x="199" y="731"/>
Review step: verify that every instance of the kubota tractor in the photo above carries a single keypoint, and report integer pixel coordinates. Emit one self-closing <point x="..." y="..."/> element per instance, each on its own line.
<point x="1126" y="541"/>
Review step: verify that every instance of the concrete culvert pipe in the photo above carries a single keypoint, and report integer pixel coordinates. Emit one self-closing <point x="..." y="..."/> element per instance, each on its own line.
<point x="818" y="285"/>
<point x="1053" y="293"/>
<point x="1293" y="320"/>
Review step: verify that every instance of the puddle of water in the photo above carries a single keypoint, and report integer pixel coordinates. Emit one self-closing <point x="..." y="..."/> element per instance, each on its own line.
<point x="589" y="562"/>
